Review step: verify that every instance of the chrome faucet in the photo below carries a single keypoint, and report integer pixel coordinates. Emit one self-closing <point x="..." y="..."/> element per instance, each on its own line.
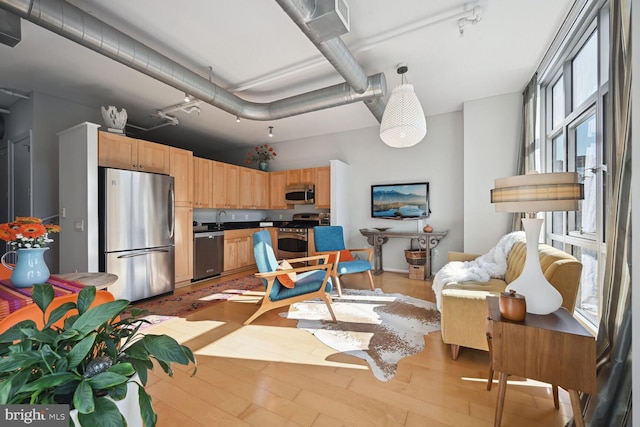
<point x="219" y="216"/>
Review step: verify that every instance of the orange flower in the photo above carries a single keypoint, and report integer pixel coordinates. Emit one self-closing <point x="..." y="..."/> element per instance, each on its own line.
<point x="52" y="228"/>
<point x="6" y="233"/>
<point x="32" y="230"/>
<point x="28" y="220"/>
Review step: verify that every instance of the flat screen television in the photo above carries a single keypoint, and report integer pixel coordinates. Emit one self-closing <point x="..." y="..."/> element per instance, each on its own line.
<point x="400" y="201"/>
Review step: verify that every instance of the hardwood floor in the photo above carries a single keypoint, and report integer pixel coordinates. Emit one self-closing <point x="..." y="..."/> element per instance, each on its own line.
<point x="272" y="374"/>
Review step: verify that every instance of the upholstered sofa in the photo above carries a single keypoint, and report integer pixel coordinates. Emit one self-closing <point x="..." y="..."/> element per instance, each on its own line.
<point x="464" y="309"/>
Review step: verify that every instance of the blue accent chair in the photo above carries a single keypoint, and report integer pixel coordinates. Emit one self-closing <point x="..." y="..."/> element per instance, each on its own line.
<point x="330" y="239"/>
<point x="313" y="281"/>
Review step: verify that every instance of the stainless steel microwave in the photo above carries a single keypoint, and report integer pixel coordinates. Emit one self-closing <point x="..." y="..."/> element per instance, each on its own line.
<point x="303" y="194"/>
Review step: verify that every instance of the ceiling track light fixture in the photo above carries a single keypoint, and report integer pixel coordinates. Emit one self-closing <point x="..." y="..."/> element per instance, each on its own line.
<point x="403" y="122"/>
<point x="474" y="16"/>
<point x="270" y="131"/>
<point x="237" y="119"/>
<point x="187" y="97"/>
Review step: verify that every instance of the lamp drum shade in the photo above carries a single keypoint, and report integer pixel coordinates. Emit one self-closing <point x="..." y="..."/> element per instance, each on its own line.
<point x="403" y="122"/>
<point x="535" y="192"/>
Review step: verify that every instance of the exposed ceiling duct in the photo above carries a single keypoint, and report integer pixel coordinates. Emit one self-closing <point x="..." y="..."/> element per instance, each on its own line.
<point x="304" y="13"/>
<point x="73" y="23"/>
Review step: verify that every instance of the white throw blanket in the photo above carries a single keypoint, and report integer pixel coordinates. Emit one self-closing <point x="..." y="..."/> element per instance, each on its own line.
<point x="493" y="264"/>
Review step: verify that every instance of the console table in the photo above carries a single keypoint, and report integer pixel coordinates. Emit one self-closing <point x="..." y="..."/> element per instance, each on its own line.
<point x="378" y="238"/>
<point x="552" y="348"/>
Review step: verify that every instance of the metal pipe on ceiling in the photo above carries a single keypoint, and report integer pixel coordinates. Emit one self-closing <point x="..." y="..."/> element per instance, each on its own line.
<point x="334" y="49"/>
<point x="73" y="23"/>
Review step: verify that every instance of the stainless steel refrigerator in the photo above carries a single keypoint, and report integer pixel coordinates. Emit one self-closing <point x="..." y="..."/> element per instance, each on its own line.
<point x="136" y="211"/>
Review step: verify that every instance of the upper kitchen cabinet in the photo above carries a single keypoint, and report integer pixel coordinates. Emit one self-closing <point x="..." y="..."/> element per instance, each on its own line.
<point x="225" y="188"/>
<point x="202" y="173"/>
<point x="254" y="189"/>
<point x="277" y="184"/>
<point x="323" y="187"/>
<point x="300" y="176"/>
<point x="181" y="169"/>
<point x="122" y="152"/>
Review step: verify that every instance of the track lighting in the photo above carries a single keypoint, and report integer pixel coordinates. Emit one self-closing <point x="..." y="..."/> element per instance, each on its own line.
<point x="187" y="98"/>
<point x="237" y="119"/>
<point x="270" y="131"/>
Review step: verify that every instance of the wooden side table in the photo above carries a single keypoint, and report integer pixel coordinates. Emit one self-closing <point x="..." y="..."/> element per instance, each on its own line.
<point x="553" y="348"/>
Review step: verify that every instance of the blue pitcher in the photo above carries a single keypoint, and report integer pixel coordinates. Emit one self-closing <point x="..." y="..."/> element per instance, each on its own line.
<point x="30" y="267"/>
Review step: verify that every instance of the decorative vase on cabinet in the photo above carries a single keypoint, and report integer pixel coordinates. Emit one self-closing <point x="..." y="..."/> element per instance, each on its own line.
<point x="30" y="267"/>
<point x="263" y="166"/>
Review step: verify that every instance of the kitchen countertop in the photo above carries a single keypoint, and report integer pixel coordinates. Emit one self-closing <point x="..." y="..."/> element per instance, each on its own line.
<point x="239" y="225"/>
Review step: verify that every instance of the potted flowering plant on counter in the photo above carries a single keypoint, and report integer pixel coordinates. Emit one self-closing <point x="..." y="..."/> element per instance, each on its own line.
<point x="30" y="238"/>
<point x="261" y="154"/>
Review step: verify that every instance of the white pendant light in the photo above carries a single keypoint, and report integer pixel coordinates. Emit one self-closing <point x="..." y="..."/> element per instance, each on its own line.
<point x="403" y="122"/>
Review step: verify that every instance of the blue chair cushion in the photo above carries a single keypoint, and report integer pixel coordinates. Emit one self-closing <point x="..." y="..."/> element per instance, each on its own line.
<point x="328" y="238"/>
<point x="306" y="282"/>
<point x="356" y="266"/>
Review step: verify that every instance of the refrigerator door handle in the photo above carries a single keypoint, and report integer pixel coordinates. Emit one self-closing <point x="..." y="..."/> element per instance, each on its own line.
<point x="172" y="211"/>
<point x="141" y="253"/>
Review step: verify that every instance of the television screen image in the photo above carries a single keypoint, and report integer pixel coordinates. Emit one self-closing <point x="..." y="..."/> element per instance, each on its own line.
<point x="400" y="201"/>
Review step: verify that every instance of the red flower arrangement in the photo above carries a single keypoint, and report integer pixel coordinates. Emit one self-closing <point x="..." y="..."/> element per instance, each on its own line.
<point x="27" y="232"/>
<point x="261" y="153"/>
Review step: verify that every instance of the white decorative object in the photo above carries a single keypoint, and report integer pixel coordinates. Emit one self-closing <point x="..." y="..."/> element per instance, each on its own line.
<point x="114" y="119"/>
<point x="531" y="193"/>
<point x="403" y="122"/>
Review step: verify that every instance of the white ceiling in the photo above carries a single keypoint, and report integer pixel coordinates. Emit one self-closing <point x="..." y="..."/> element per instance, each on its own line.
<point x="256" y="51"/>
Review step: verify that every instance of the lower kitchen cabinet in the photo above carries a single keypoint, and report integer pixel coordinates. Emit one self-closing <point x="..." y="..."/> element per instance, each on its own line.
<point x="183" y="240"/>
<point x="238" y="249"/>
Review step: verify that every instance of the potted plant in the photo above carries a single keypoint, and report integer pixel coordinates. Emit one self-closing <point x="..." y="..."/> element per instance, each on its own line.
<point x="261" y="154"/>
<point x="88" y="362"/>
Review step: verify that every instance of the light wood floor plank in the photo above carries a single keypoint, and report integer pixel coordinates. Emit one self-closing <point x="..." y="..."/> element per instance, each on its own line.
<point x="272" y="374"/>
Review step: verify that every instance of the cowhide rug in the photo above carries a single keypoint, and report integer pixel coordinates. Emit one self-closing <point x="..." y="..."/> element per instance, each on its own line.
<point x="377" y="327"/>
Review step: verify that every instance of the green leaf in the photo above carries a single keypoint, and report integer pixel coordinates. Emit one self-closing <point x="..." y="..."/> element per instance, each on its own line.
<point x="98" y="315"/>
<point x="80" y="350"/>
<point x="149" y="417"/>
<point x="85" y="298"/>
<point x="59" y="312"/>
<point x="106" y="414"/>
<point x="118" y="392"/>
<point x="106" y="379"/>
<point x="165" y="348"/>
<point x="16" y="331"/>
<point x="49" y="381"/>
<point x="125" y="369"/>
<point x="83" y="399"/>
<point x="19" y="361"/>
<point x="43" y="295"/>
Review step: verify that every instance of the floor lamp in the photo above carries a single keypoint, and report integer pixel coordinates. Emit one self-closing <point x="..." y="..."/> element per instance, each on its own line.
<point x="534" y="193"/>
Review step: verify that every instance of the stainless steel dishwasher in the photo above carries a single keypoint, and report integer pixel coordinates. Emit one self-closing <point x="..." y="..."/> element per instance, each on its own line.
<point x="208" y="254"/>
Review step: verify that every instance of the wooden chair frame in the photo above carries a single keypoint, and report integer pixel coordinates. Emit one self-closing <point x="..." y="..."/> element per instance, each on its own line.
<point x="266" y="304"/>
<point x="334" y="270"/>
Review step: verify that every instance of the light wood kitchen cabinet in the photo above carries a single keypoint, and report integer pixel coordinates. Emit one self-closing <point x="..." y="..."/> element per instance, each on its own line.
<point x="183" y="241"/>
<point x="300" y="176"/>
<point x="277" y="184"/>
<point x="238" y="249"/>
<point x="323" y="187"/>
<point x="202" y="183"/>
<point x="181" y="169"/>
<point x="123" y="152"/>
<point x="260" y="189"/>
<point x="217" y="183"/>
<point x="254" y="189"/>
<point x="225" y="188"/>
<point x="232" y="185"/>
<point x="245" y="184"/>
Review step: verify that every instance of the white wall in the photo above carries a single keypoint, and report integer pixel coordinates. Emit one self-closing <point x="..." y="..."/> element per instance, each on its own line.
<point x="437" y="159"/>
<point x="491" y="139"/>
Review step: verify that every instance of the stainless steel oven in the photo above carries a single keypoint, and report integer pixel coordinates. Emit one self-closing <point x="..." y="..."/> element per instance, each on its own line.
<point x="292" y="242"/>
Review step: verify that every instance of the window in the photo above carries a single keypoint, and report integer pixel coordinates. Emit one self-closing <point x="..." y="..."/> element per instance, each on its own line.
<point x="573" y="110"/>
